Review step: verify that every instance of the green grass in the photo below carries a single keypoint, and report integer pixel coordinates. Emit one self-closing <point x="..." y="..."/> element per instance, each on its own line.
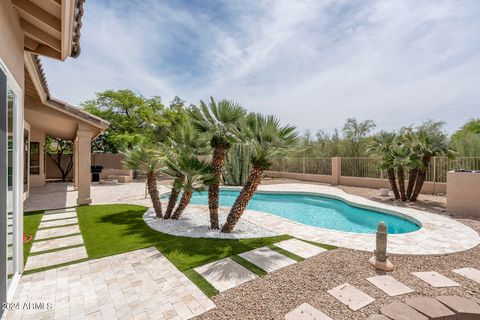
<point x="113" y="229"/>
<point x="203" y="284"/>
<point x="321" y="245"/>
<point x="31" y="221"/>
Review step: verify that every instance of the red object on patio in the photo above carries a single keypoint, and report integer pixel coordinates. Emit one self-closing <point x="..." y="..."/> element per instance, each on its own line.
<point x="27" y="238"/>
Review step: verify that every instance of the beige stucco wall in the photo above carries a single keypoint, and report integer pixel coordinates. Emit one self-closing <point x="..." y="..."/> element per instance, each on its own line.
<point x="108" y="160"/>
<point x="463" y="193"/>
<point x="11" y="41"/>
<point x="38" y="135"/>
<point x="428" y="187"/>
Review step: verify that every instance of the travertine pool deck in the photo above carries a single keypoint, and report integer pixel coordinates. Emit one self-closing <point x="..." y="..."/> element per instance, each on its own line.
<point x="140" y="284"/>
<point x="438" y="234"/>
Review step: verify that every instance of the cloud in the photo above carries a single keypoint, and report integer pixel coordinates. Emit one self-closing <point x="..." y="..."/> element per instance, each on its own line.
<point x="312" y="63"/>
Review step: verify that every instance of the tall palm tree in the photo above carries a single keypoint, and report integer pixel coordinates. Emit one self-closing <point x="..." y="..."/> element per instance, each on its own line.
<point x="382" y="145"/>
<point x="183" y="141"/>
<point x="432" y="142"/>
<point x="195" y="174"/>
<point x="267" y="139"/>
<point x="221" y="122"/>
<point x="149" y="160"/>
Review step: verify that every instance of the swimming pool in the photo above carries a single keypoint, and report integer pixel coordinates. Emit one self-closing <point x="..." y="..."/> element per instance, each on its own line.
<point x="316" y="211"/>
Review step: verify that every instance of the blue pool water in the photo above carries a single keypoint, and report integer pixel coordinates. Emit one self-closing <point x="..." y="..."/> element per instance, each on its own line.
<point x="316" y="211"/>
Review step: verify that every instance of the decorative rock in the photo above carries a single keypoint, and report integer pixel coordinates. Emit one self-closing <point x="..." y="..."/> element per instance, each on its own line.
<point x="464" y="307"/>
<point x="401" y="311"/>
<point x="431" y="308"/>
<point x="351" y="296"/>
<point x="435" y="279"/>
<point x="389" y="285"/>
<point x="470" y="273"/>
<point x="306" y="312"/>
<point x="380" y="261"/>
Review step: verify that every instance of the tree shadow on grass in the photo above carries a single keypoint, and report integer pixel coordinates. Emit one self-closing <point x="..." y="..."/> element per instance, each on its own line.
<point x="113" y="229"/>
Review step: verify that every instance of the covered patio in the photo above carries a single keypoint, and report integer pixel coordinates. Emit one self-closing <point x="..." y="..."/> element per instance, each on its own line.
<point x="48" y="116"/>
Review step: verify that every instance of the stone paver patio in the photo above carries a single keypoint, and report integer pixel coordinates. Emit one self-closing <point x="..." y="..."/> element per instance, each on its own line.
<point x="300" y="248"/>
<point x="267" y="259"/>
<point x="435" y="279"/>
<point x="225" y="274"/>
<point x="389" y="285"/>
<point x="141" y="284"/>
<point x="55" y="258"/>
<point x="351" y="296"/>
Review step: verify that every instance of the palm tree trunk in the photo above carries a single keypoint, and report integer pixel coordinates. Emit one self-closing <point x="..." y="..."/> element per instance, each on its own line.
<point x="422" y="174"/>
<point x="184" y="201"/>
<point x="242" y="200"/>
<point x="393" y="184"/>
<point x="412" y="177"/>
<point x="401" y="183"/>
<point x="172" y="200"/>
<point x="153" y="192"/>
<point x="218" y="161"/>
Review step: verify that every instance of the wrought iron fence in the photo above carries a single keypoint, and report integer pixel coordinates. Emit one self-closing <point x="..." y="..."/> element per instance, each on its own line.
<point x="369" y="167"/>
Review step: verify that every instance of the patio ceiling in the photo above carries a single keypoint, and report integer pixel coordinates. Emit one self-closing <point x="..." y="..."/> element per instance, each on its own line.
<point x="51" y="27"/>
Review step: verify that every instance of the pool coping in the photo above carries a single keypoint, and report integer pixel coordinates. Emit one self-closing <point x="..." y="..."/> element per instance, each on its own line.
<point x="437" y="235"/>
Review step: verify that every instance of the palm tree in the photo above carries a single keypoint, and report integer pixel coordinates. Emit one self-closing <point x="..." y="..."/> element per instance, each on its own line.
<point x="382" y="145"/>
<point x="193" y="174"/>
<point x="267" y="139"/>
<point x="183" y="141"/>
<point x="221" y="122"/>
<point x="401" y="159"/>
<point x="149" y="160"/>
<point x="432" y="142"/>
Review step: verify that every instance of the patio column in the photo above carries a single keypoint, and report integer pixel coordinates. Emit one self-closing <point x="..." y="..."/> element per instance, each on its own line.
<point x="336" y="170"/>
<point x="83" y="143"/>
<point x="75" y="164"/>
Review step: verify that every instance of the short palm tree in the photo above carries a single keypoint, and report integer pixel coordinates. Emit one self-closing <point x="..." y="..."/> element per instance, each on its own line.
<point x="382" y="145"/>
<point x="431" y="142"/>
<point x="192" y="173"/>
<point x="267" y="139"/>
<point x="183" y="141"/>
<point x="401" y="159"/>
<point x="149" y="160"/>
<point x="220" y="121"/>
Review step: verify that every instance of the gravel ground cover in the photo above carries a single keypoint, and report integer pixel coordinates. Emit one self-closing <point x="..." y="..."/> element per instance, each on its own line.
<point x="275" y="294"/>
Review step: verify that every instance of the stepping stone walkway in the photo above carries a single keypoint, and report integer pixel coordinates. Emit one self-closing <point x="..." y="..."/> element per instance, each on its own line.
<point x="435" y="279"/>
<point x="389" y="285"/>
<point x="351" y="296"/>
<point x="300" y="248"/>
<point x="430" y="307"/>
<point x="267" y="259"/>
<point x="423" y="308"/>
<point x="225" y="274"/>
<point x="470" y="273"/>
<point x="55" y="243"/>
<point x="306" y="312"/>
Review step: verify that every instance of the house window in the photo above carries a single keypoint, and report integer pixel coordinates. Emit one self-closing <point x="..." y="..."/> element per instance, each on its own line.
<point x="34" y="158"/>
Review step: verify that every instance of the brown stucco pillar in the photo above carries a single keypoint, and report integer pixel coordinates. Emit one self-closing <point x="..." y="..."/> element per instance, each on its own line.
<point x="83" y="145"/>
<point x="336" y="170"/>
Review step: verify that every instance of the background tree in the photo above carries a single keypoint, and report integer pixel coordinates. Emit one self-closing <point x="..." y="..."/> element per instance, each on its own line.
<point x="466" y="140"/>
<point x="220" y="121"/>
<point x="267" y="139"/>
<point x="61" y="153"/>
<point x="133" y="119"/>
<point x="355" y="134"/>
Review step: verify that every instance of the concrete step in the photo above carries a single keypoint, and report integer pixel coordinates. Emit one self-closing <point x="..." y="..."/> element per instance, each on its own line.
<point x="108" y="182"/>
<point x="120" y="178"/>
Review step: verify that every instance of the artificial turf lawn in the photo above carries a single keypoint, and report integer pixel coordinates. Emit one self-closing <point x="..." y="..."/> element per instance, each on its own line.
<point x="118" y="228"/>
<point x="31" y="221"/>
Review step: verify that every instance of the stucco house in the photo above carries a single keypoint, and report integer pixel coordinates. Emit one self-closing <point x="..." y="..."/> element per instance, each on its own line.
<point x="30" y="29"/>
